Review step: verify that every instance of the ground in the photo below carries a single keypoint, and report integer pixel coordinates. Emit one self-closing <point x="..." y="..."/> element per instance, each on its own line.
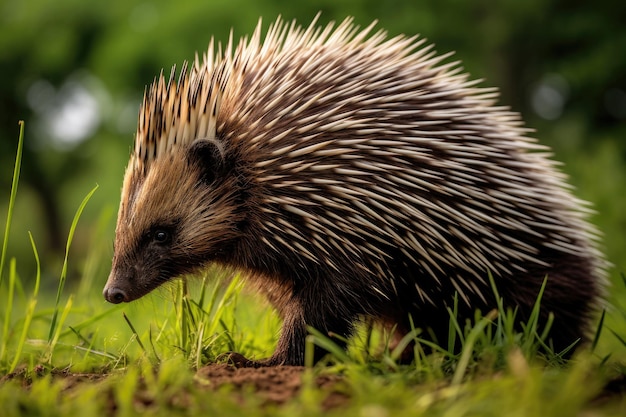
<point x="272" y="385"/>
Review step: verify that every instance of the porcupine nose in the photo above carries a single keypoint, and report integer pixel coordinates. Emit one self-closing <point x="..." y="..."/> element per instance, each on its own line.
<point x="114" y="295"/>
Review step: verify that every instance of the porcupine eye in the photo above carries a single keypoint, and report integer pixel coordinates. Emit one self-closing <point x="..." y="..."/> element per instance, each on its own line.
<point x="161" y="236"/>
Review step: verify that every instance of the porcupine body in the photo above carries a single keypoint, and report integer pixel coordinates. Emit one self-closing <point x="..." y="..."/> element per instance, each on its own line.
<point x="349" y="175"/>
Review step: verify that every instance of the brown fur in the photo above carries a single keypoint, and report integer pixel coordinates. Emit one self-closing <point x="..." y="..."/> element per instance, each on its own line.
<point x="350" y="177"/>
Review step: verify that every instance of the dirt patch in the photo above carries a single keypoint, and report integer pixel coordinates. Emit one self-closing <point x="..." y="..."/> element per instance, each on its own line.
<point x="274" y="385"/>
<point x="270" y="386"/>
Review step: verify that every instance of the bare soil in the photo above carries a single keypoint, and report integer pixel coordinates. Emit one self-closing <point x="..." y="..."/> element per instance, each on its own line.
<point x="274" y="385"/>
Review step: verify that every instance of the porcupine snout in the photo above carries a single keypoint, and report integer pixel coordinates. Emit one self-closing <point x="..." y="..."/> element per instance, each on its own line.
<point x="114" y="295"/>
<point x="113" y="290"/>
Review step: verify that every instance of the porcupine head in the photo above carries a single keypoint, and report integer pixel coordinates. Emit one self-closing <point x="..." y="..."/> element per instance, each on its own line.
<point x="186" y="198"/>
<point x="347" y="175"/>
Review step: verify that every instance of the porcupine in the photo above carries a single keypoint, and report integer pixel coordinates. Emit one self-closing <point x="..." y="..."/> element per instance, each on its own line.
<point x="350" y="175"/>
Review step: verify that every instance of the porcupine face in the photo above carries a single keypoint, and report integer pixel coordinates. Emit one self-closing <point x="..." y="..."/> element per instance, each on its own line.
<point x="172" y="220"/>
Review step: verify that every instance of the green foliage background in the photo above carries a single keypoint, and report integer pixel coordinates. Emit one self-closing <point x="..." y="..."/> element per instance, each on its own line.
<point x="75" y="71"/>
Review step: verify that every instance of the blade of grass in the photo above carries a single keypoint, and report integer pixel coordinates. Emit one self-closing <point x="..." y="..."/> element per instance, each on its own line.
<point x="596" y="337"/>
<point x="16" y="176"/>
<point x="37" y="264"/>
<point x="468" y="347"/>
<point x="198" y="349"/>
<point x="202" y="296"/>
<point x="620" y="338"/>
<point x="91" y="272"/>
<point x="234" y="286"/>
<point x="89" y="351"/>
<point x="453" y="325"/>
<point x="154" y="361"/>
<point x="132" y="328"/>
<point x="326" y="343"/>
<point x="531" y="326"/>
<point x="406" y="340"/>
<point x="30" y="309"/>
<point x="9" y="308"/>
<point x="182" y="319"/>
<point x="154" y="351"/>
<point x="80" y="336"/>
<point x="70" y="236"/>
<point x="91" y="320"/>
<point x="230" y="342"/>
<point x="57" y="334"/>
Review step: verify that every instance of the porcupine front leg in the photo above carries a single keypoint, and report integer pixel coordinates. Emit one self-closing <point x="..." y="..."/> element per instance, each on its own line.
<point x="290" y="350"/>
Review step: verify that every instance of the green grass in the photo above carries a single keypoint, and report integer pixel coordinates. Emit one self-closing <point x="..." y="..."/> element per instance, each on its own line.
<point x="66" y="353"/>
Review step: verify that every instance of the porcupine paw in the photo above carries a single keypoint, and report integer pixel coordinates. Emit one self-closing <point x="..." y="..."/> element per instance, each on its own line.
<point x="239" y="361"/>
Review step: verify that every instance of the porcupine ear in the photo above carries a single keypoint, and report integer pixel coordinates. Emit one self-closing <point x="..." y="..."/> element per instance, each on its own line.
<point x="210" y="157"/>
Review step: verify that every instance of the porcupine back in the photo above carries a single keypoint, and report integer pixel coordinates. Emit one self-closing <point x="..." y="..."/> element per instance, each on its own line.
<point x="376" y="180"/>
